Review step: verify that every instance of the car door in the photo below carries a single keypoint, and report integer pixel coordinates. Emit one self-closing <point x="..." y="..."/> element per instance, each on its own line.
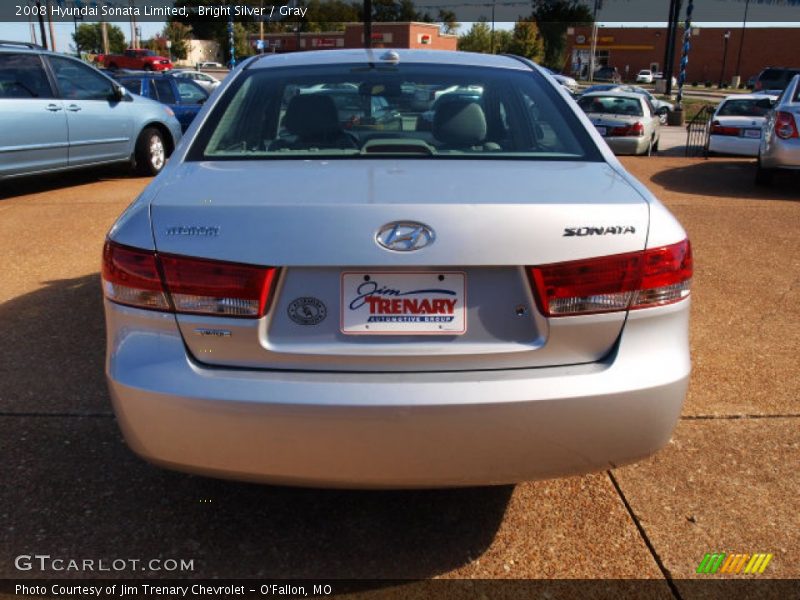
<point x="100" y="126"/>
<point x="190" y="100"/>
<point x="33" y="123"/>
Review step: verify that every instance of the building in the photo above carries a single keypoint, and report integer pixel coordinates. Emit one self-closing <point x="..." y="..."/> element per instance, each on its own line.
<point x="631" y="49"/>
<point x="384" y="35"/>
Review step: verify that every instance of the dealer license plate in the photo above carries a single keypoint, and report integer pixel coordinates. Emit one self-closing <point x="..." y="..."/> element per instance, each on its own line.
<point x="404" y="303"/>
<point x="752" y="133"/>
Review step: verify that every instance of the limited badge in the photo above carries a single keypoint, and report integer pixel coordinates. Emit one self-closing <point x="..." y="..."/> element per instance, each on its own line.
<point x="307" y="311"/>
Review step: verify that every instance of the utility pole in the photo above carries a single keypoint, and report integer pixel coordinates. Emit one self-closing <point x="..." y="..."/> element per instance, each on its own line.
<point x="133" y="26"/>
<point x="741" y="41"/>
<point x="725" y="39"/>
<point x="367" y="23"/>
<point x="261" y="27"/>
<point x="494" y="3"/>
<point x="670" y="65"/>
<point x="41" y="23"/>
<point x="52" y="30"/>
<point x="593" y="45"/>
<point x="104" y="33"/>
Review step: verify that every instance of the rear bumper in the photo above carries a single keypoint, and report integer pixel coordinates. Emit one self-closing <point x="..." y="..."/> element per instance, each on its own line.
<point x="628" y="145"/>
<point x="396" y="430"/>
<point x="781" y="154"/>
<point x="728" y="144"/>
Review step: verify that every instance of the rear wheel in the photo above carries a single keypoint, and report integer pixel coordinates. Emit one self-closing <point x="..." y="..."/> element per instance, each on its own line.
<point x="113" y="66"/>
<point x="151" y="152"/>
<point x="148" y="67"/>
<point x="763" y="176"/>
<point x="662" y="116"/>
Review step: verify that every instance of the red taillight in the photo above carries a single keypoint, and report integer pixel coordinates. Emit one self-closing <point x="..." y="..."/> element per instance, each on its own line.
<point x="785" y="126"/>
<point x="185" y="285"/>
<point x="130" y="276"/>
<point x="636" y="129"/>
<point x="620" y="282"/>
<point x="717" y="129"/>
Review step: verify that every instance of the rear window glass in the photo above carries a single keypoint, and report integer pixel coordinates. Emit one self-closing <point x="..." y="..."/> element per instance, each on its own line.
<point x="407" y="110"/>
<point x="611" y="105"/>
<point x="164" y="91"/>
<point x="23" y="76"/>
<point x="747" y="107"/>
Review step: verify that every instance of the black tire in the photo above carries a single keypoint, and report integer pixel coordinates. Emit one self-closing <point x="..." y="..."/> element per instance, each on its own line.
<point x="148" y="67"/>
<point x="763" y="176"/>
<point x="655" y="146"/>
<point x="113" y="66"/>
<point x="662" y="116"/>
<point x="151" y="152"/>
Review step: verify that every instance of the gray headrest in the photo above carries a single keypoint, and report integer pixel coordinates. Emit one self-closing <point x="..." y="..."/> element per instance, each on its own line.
<point x="311" y="115"/>
<point x="459" y="122"/>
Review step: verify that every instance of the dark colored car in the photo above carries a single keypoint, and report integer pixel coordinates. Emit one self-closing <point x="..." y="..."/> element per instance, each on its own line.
<point x="183" y="96"/>
<point x="608" y="74"/>
<point x="775" y="78"/>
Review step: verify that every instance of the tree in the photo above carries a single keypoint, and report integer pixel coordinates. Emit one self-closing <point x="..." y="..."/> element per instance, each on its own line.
<point x="89" y="38"/>
<point x="526" y="41"/>
<point x="477" y="39"/>
<point x="448" y="20"/>
<point x="553" y="17"/>
<point x="180" y="35"/>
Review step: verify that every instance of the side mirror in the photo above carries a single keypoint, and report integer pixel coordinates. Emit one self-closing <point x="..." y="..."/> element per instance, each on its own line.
<point x="119" y="92"/>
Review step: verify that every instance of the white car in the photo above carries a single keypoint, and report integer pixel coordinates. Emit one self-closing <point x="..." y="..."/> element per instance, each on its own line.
<point x="210" y="65"/>
<point x="738" y="123"/>
<point x="305" y="299"/>
<point x="644" y="76"/>
<point x="204" y="80"/>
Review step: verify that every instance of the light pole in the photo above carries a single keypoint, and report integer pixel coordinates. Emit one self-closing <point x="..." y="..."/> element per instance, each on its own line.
<point x="725" y="39"/>
<point x="741" y="40"/>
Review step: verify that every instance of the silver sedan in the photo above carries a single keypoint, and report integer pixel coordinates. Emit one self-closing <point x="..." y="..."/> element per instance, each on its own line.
<point x="307" y="297"/>
<point x="626" y="120"/>
<point x="780" y="144"/>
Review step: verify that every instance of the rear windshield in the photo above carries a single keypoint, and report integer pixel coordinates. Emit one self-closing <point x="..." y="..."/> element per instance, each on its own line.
<point x="611" y="105"/>
<point x="402" y="110"/>
<point x="744" y="108"/>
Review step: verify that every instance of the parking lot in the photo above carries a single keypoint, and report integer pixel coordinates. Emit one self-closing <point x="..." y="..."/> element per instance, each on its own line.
<point x="727" y="482"/>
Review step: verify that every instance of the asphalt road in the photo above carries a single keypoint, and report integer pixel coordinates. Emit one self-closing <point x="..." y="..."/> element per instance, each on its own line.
<point x="728" y="481"/>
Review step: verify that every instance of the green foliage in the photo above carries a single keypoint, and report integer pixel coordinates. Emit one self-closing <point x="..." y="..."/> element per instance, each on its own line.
<point x="526" y="41"/>
<point x="448" y="20"/>
<point x="477" y="39"/>
<point x="89" y="38"/>
<point x="328" y="15"/>
<point x="179" y="34"/>
<point x="553" y="18"/>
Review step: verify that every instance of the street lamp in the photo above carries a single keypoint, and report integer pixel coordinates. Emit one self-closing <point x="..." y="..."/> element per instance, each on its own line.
<point x="725" y="39"/>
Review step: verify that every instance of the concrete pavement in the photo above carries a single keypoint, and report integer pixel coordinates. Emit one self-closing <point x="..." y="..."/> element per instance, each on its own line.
<point x="727" y="482"/>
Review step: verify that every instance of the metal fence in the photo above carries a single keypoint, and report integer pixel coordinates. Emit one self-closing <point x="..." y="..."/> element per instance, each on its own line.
<point x="698" y="130"/>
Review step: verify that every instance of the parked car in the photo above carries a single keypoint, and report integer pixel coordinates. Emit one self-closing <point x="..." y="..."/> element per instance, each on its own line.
<point x="775" y="78"/>
<point x="183" y="96"/>
<point x="209" y="65"/>
<point x="780" y="144"/>
<point x="58" y="113"/>
<point x="627" y="121"/>
<point x="608" y="74"/>
<point x="662" y="107"/>
<point x="565" y="80"/>
<point x="644" y="76"/>
<point x="204" y="80"/>
<point x="132" y="58"/>
<point x="737" y="124"/>
<point x="600" y="87"/>
<point x="660" y="75"/>
<point x="492" y="301"/>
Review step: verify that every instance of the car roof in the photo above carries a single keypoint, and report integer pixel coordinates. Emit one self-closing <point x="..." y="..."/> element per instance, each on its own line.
<point x="748" y="97"/>
<point x="383" y="55"/>
<point x="613" y="94"/>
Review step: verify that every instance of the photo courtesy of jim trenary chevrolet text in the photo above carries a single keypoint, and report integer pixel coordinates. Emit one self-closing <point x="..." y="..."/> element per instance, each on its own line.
<point x="399" y="299"/>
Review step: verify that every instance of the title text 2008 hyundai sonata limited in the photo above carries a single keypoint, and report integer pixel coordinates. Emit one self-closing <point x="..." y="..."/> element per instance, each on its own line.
<point x="395" y="269"/>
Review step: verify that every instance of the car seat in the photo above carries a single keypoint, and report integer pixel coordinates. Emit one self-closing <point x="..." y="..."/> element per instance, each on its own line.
<point x="460" y="124"/>
<point x="313" y="122"/>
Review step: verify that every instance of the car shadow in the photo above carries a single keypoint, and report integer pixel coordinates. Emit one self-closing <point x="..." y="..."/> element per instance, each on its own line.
<point x="36" y="184"/>
<point x="74" y="490"/>
<point x="731" y="178"/>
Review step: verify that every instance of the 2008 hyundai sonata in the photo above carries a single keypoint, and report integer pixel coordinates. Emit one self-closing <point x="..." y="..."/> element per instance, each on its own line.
<point x="395" y="269"/>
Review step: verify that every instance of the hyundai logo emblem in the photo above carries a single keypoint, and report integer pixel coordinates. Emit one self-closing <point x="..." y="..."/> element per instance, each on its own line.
<point x="404" y="236"/>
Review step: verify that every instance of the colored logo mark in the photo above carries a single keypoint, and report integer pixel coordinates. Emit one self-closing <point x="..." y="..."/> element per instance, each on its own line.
<point x="720" y="562"/>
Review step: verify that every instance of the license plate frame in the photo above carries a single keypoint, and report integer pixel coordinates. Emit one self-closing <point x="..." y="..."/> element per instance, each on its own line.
<point x="752" y="134"/>
<point x="419" y="303"/>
